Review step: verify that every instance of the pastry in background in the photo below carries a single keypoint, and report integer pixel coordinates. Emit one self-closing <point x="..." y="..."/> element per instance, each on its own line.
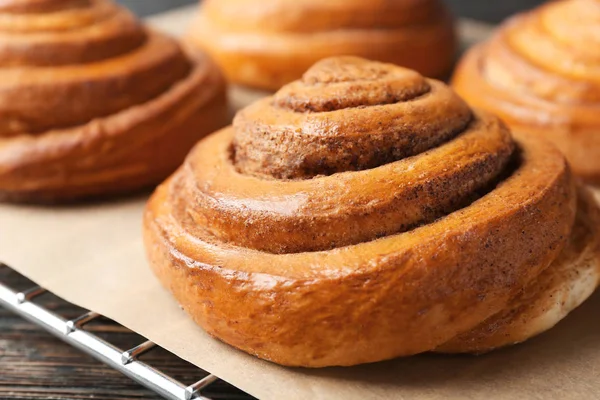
<point x="540" y="73"/>
<point x="365" y="212"/>
<point x="92" y="103"/>
<point x="267" y="43"/>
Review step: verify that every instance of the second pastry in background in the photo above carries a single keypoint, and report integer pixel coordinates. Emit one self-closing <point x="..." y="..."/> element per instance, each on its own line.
<point x="540" y="72"/>
<point x="92" y="103"/>
<point x="268" y="43"/>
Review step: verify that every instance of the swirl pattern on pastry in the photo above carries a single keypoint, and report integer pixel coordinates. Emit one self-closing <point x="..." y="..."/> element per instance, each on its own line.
<point x="280" y="243"/>
<point x="266" y="44"/>
<point x="92" y="102"/>
<point x="541" y="73"/>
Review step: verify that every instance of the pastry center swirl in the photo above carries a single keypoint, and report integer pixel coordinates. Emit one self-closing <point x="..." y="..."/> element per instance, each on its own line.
<point x="345" y="114"/>
<point x="336" y="85"/>
<point x="354" y="151"/>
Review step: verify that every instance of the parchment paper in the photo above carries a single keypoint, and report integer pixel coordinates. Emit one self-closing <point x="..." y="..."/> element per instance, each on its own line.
<point x="92" y="255"/>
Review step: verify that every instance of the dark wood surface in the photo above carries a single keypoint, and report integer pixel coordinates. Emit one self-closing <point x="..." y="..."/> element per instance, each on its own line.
<point x="35" y="365"/>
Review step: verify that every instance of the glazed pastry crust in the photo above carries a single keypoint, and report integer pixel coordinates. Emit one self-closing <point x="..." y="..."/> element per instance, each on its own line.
<point x="562" y="287"/>
<point x="539" y="73"/>
<point x="94" y="104"/>
<point x="268" y="44"/>
<point x="326" y="269"/>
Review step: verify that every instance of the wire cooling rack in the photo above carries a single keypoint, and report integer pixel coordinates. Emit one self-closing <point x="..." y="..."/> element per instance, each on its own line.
<point x="73" y="332"/>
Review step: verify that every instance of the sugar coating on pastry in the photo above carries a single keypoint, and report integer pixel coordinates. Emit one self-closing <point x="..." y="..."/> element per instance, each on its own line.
<point x="561" y="288"/>
<point x="266" y="44"/>
<point x="539" y="73"/>
<point x="93" y="103"/>
<point x="365" y="212"/>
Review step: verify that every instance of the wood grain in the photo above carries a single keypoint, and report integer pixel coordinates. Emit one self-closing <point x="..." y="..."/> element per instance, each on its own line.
<point x="36" y="365"/>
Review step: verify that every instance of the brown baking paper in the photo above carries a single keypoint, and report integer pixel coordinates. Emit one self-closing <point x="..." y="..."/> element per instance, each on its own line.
<point x="92" y="255"/>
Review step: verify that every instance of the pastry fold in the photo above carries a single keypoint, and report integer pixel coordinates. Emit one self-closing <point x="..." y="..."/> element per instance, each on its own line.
<point x="365" y="213"/>
<point x="540" y="73"/>
<point x="93" y="103"/>
<point x="266" y="44"/>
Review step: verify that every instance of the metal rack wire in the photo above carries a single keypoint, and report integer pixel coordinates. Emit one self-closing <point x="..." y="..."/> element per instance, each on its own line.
<point x="73" y="332"/>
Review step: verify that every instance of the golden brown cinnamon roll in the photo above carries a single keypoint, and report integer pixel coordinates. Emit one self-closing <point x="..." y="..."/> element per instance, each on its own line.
<point x="540" y="73"/>
<point x="266" y="44"/>
<point x="364" y="213"/>
<point x="93" y="103"/>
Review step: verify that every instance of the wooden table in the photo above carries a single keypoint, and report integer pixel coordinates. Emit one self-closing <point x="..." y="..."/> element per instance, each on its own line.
<point x="36" y="365"/>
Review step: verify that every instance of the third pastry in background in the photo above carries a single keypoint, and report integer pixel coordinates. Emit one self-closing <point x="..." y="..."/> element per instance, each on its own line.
<point x="268" y="43"/>
<point x="541" y="73"/>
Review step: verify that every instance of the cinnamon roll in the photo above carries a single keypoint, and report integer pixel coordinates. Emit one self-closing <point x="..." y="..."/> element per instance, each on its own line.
<point x="93" y="103"/>
<point x="365" y="212"/>
<point x="539" y="73"/>
<point x="265" y="44"/>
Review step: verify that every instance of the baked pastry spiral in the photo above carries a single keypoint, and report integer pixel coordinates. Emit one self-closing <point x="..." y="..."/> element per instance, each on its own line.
<point x="364" y="213"/>
<point x="266" y="44"/>
<point x="93" y="103"/>
<point x="540" y="74"/>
